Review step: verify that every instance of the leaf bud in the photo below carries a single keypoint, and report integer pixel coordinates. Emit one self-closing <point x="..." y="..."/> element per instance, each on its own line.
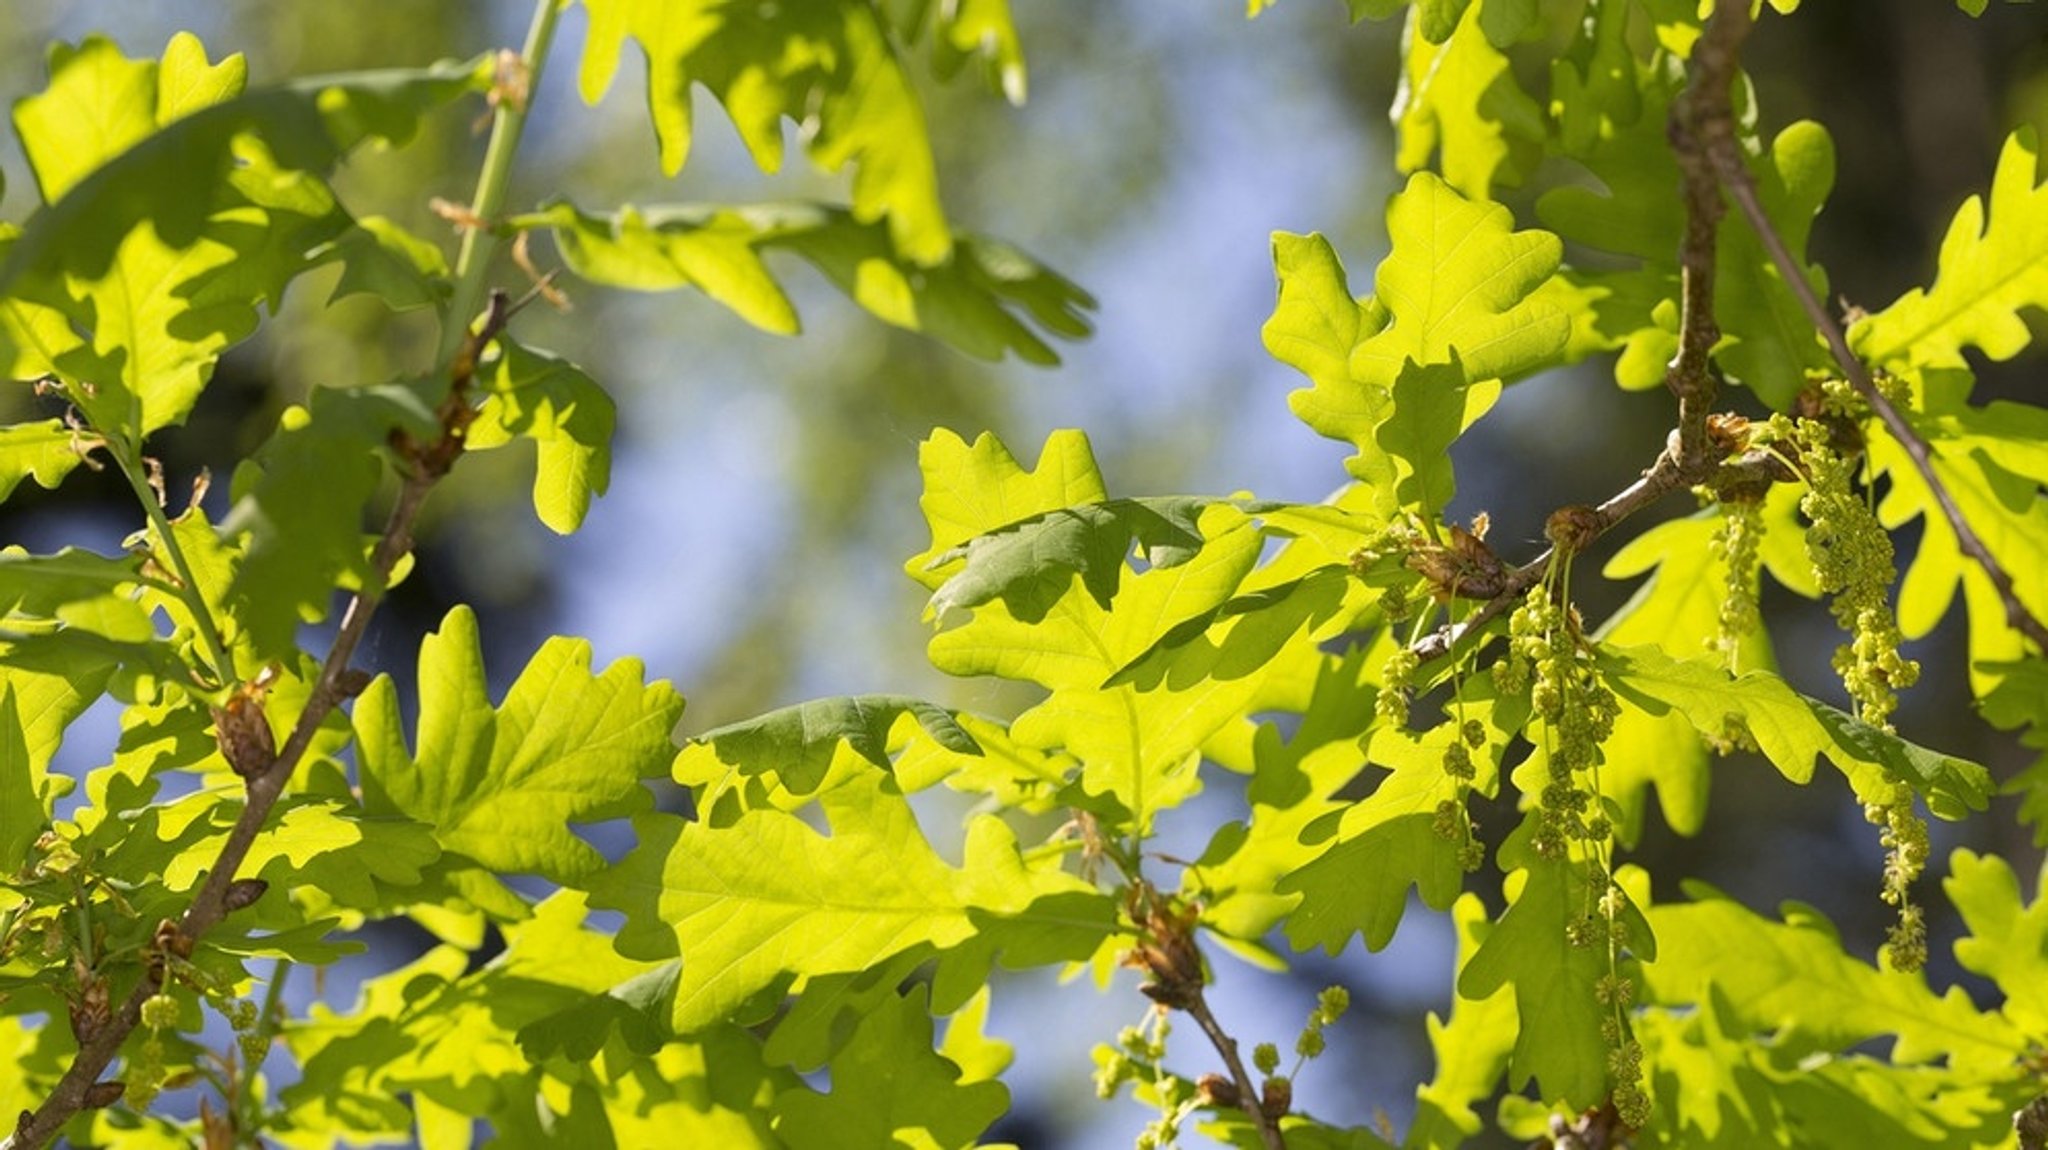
<point x="1276" y="1097"/>
<point x="243" y="893"/>
<point x="1573" y="528"/>
<point x="243" y="731"/>
<point x="1216" y="1090"/>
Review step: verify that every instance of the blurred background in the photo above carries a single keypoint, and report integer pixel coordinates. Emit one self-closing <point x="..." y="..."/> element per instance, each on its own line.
<point x="764" y="492"/>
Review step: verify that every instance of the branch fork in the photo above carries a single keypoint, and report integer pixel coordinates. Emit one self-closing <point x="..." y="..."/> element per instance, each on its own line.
<point x="1706" y="448"/>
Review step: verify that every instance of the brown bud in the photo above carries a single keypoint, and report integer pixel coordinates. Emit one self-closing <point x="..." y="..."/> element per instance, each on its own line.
<point x="353" y="681"/>
<point x="1172" y="995"/>
<point x="1466" y="569"/>
<point x="1276" y="1097"/>
<point x="217" y="1130"/>
<point x="1573" y="528"/>
<point x="2031" y="1123"/>
<point x="1728" y="432"/>
<point x="243" y="732"/>
<point x="91" y="1012"/>
<point x="243" y="893"/>
<point x="170" y="939"/>
<point x="84" y="1024"/>
<point x="101" y="1095"/>
<point x="1216" y="1090"/>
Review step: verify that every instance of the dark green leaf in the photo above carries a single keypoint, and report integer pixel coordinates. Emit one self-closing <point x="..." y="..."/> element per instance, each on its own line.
<point x="1029" y="564"/>
<point x="796" y="744"/>
<point x="301" y="504"/>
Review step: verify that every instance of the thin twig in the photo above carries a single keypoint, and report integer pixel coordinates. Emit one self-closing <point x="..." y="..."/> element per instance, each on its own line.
<point x="1735" y="176"/>
<point x="80" y="1088"/>
<point x="1168" y="954"/>
<point x="1249" y="1097"/>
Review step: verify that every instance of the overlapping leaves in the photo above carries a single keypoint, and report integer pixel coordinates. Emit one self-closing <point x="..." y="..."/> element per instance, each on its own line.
<point x="1138" y="742"/>
<point x="1992" y="462"/>
<point x="1792" y="730"/>
<point x="1459" y="99"/>
<point x="501" y="786"/>
<point x="176" y="203"/>
<point x="1456" y="308"/>
<point x="753" y="902"/>
<point x="1614" y="122"/>
<point x="829" y="65"/>
<point x="985" y="298"/>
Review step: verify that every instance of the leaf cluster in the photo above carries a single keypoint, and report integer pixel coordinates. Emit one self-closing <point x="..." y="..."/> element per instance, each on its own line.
<point x="750" y="937"/>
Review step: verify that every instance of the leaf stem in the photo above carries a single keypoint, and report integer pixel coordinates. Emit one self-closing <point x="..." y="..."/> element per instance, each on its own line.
<point x="516" y="85"/>
<point x="271" y="1020"/>
<point x="188" y="586"/>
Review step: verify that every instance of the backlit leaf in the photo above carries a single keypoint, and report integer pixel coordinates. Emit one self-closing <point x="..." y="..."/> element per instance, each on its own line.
<point x="1380" y="847"/>
<point x="1615" y="112"/>
<point x="301" y="502"/>
<point x="23" y="811"/>
<point x="889" y="1087"/>
<point x="1028" y="564"/>
<point x="765" y="896"/>
<point x="45" y="451"/>
<point x="1793" y="730"/>
<point x="985" y="298"/>
<point x="1792" y="979"/>
<point x="2008" y="938"/>
<point x="1993" y="264"/>
<point x="535" y="395"/>
<point x="828" y="65"/>
<point x="501" y="785"/>
<point x="1460" y="279"/>
<point x="1472" y="1048"/>
<point x="169" y="219"/>
<point x="1459" y="95"/>
<point x="972" y="490"/>
<point x="1558" y="1042"/>
<point x="796" y="745"/>
<point x="1992" y="462"/>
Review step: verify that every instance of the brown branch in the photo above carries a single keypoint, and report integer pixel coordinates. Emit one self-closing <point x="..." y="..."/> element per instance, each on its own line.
<point x="1701" y="117"/>
<point x="80" y="1088"/>
<point x="1702" y="122"/>
<point x="1672" y="472"/>
<point x="1735" y="176"/>
<point x="1166" y="952"/>
<point x="1250" y="1098"/>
